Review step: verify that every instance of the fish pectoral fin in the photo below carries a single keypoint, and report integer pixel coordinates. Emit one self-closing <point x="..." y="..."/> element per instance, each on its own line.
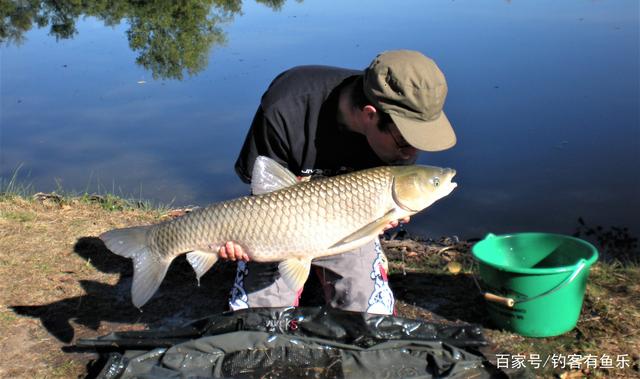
<point x="295" y="272"/>
<point x="268" y="176"/>
<point x="201" y="261"/>
<point x="368" y="231"/>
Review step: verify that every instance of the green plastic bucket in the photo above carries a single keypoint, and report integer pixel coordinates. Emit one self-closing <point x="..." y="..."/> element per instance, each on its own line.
<point x="534" y="282"/>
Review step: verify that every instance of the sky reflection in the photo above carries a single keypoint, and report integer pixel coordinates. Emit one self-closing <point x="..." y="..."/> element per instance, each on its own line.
<point x="543" y="95"/>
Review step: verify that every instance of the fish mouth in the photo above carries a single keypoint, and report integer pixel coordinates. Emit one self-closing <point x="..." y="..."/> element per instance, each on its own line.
<point x="450" y="174"/>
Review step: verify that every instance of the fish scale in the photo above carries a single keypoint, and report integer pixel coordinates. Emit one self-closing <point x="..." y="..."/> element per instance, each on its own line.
<point x="286" y="221"/>
<point x="282" y="229"/>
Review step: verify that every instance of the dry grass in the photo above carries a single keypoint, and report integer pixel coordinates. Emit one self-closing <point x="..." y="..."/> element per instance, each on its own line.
<point x="59" y="283"/>
<point x="39" y="267"/>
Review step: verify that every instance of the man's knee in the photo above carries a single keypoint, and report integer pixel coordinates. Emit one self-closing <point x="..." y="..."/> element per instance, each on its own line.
<point x="359" y="281"/>
<point x="259" y="285"/>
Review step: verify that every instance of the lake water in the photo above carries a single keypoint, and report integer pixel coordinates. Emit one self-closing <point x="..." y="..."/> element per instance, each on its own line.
<point x="135" y="100"/>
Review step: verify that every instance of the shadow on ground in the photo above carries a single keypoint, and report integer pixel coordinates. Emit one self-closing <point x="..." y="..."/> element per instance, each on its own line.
<point x="452" y="297"/>
<point x="178" y="300"/>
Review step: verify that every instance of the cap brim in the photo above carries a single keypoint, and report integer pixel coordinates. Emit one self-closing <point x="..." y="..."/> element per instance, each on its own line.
<point x="433" y="135"/>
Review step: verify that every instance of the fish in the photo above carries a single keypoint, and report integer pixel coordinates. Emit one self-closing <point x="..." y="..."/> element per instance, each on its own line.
<point x="284" y="220"/>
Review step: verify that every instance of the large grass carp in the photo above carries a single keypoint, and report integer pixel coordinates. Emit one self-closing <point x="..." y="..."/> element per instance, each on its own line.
<point x="285" y="221"/>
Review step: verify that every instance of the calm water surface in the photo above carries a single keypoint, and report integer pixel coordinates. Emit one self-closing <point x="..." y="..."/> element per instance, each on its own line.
<point x="136" y="100"/>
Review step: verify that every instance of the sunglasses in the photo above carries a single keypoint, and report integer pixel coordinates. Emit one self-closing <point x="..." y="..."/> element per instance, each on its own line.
<point x="400" y="142"/>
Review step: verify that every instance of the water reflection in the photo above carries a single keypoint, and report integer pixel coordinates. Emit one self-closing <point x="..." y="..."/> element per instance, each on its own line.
<point x="171" y="37"/>
<point x="544" y="96"/>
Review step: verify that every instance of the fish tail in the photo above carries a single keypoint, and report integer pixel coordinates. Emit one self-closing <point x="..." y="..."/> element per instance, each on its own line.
<point x="149" y="267"/>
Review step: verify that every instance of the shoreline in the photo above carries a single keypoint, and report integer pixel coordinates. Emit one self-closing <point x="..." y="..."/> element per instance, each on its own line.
<point x="60" y="284"/>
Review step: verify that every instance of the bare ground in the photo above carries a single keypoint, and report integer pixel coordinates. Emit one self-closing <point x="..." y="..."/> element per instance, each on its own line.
<point x="59" y="283"/>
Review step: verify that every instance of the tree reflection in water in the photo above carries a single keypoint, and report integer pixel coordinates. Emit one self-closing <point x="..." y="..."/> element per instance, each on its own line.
<point x="171" y="37"/>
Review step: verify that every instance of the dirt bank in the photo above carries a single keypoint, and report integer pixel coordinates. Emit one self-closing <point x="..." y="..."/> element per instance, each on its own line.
<point x="59" y="283"/>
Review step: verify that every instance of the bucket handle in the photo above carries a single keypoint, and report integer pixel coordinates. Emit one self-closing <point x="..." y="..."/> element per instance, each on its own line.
<point x="509" y="302"/>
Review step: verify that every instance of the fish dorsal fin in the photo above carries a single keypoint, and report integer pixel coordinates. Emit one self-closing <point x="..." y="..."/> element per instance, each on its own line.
<point x="268" y="176"/>
<point x="368" y="231"/>
<point x="201" y="261"/>
<point x="295" y="271"/>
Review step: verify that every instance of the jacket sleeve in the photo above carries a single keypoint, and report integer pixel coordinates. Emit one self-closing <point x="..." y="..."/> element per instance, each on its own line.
<point x="264" y="138"/>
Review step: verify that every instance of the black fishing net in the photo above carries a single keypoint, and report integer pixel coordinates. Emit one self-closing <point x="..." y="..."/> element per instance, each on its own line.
<point x="296" y="343"/>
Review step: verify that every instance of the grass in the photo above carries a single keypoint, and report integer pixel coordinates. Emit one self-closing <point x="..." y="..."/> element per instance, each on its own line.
<point x="13" y="187"/>
<point x="615" y="243"/>
<point x="65" y="369"/>
<point x="608" y="323"/>
<point x="7" y="317"/>
<point x="16" y="188"/>
<point x="60" y="284"/>
<point x="48" y="288"/>
<point x="18" y="216"/>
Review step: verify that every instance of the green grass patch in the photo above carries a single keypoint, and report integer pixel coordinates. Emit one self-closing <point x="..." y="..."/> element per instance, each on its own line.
<point x="19" y="216"/>
<point x="112" y="202"/>
<point x="65" y="370"/>
<point x="7" y="317"/>
<point x="12" y="187"/>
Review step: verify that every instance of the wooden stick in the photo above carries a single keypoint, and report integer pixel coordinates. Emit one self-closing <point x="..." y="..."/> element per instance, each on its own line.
<point x="499" y="299"/>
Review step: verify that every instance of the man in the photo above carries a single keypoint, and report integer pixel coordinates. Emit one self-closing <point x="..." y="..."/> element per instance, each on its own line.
<point x="318" y="120"/>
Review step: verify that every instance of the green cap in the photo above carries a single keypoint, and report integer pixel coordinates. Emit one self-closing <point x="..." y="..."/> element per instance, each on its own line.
<point x="411" y="88"/>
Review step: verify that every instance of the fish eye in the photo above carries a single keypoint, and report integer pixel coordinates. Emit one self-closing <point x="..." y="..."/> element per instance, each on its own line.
<point x="435" y="181"/>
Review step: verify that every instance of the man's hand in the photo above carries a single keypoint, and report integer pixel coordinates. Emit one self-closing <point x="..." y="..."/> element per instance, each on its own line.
<point x="395" y="223"/>
<point x="233" y="251"/>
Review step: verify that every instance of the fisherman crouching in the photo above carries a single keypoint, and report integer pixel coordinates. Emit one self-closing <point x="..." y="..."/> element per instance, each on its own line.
<point x="320" y="120"/>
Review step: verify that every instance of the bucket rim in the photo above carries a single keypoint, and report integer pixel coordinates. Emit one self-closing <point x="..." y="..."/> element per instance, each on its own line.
<point x="537" y="271"/>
